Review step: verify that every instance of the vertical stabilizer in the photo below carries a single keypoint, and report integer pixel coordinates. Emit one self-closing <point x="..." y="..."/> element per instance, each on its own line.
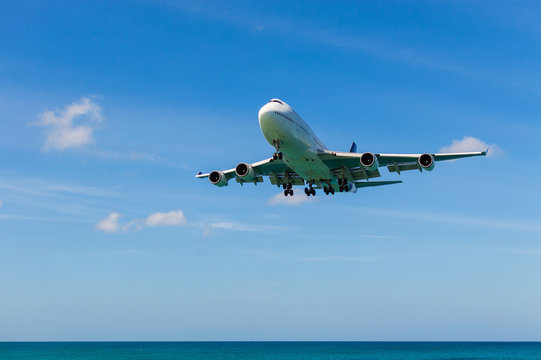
<point x="353" y="148"/>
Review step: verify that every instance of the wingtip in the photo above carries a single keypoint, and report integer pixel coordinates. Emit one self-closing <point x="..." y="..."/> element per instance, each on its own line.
<point x="486" y="151"/>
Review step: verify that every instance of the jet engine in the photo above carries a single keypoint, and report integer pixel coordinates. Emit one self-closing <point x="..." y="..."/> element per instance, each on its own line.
<point x="218" y="178"/>
<point x="426" y="162"/>
<point x="245" y="172"/>
<point x="369" y="161"/>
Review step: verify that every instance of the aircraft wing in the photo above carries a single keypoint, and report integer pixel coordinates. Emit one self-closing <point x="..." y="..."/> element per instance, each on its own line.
<point x="375" y="183"/>
<point x="393" y="162"/>
<point x="343" y="164"/>
<point x="277" y="171"/>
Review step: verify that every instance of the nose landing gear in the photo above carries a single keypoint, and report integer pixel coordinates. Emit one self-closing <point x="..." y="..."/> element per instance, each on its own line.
<point x="278" y="154"/>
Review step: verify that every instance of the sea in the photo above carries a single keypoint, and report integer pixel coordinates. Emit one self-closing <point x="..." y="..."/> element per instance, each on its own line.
<point x="269" y="350"/>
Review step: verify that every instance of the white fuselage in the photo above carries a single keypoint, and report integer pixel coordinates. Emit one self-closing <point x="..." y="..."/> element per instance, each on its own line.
<point x="285" y="130"/>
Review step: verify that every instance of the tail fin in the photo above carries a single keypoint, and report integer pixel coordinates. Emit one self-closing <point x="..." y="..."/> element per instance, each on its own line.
<point x="353" y="148"/>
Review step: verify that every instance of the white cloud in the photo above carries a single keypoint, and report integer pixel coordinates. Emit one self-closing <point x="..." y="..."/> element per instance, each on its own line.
<point x="295" y="200"/>
<point x="71" y="127"/>
<point x="176" y="218"/>
<point x="470" y="143"/>
<point x="110" y="223"/>
<point x="172" y="218"/>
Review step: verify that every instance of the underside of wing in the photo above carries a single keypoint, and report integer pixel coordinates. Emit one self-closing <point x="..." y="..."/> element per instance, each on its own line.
<point x="375" y="183"/>
<point x="404" y="162"/>
<point x="277" y="171"/>
<point x="369" y="162"/>
<point x="348" y="166"/>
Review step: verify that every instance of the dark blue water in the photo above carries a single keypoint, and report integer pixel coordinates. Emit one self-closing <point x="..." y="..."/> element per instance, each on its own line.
<point x="270" y="350"/>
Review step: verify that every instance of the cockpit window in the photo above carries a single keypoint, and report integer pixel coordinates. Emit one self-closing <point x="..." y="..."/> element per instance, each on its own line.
<point x="277" y="101"/>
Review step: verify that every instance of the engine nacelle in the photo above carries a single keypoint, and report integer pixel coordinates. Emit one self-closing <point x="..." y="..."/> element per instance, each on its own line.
<point x="426" y="162"/>
<point x="245" y="172"/>
<point x="218" y="178"/>
<point x="369" y="161"/>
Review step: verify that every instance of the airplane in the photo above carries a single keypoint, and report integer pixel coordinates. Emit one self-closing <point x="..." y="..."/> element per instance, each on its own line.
<point x="302" y="159"/>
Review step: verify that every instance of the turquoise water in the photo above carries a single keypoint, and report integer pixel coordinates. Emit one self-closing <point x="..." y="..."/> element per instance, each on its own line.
<point x="270" y="350"/>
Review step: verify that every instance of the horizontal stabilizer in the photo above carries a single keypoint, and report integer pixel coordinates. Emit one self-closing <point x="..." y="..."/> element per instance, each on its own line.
<point x="375" y="183"/>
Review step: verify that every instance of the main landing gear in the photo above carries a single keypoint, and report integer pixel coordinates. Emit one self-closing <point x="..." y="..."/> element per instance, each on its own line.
<point x="310" y="191"/>
<point x="344" y="186"/>
<point x="288" y="189"/>
<point x="328" y="190"/>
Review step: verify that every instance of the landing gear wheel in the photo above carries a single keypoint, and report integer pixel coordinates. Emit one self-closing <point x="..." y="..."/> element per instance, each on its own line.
<point x="313" y="191"/>
<point x="286" y="192"/>
<point x="280" y="156"/>
<point x="290" y="192"/>
<point x="331" y="190"/>
<point x="284" y="186"/>
<point x="326" y="190"/>
<point x="307" y="192"/>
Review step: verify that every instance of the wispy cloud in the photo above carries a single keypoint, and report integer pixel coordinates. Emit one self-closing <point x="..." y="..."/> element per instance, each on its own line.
<point x="50" y="200"/>
<point x="302" y="28"/>
<point x="209" y="228"/>
<point x="295" y="200"/>
<point x="315" y="33"/>
<point x="52" y="189"/>
<point x="71" y="127"/>
<point x="484" y="222"/>
<point x="338" y="258"/>
<point x="470" y="143"/>
<point x="137" y="156"/>
<point x="129" y="252"/>
<point x="236" y="226"/>
<point x="20" y="217"/>
<point x="520" y="251"/>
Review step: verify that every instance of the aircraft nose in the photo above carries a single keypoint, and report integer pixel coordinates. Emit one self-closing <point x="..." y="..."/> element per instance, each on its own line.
<point x="266" y="116"/>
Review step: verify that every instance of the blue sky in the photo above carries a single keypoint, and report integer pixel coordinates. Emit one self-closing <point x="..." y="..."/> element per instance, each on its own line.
<point x="108" y="109"/>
